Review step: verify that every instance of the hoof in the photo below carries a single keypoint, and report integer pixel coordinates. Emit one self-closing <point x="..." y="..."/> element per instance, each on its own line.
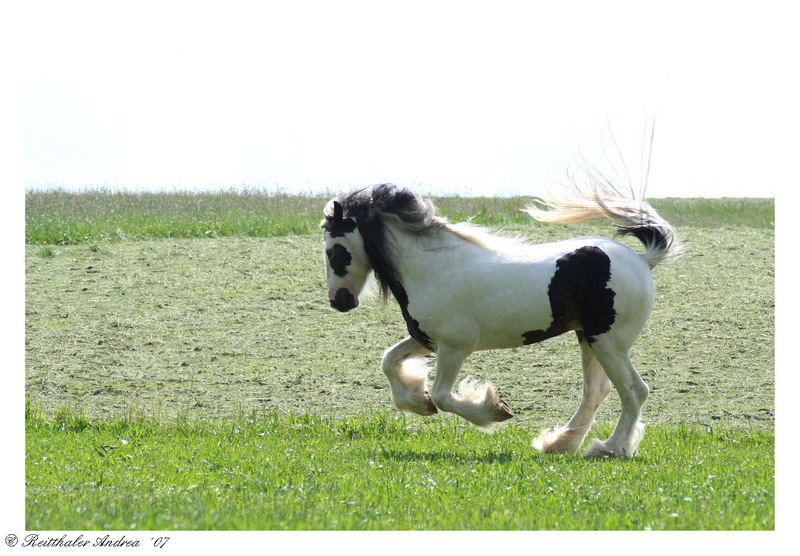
<point x="557" y="441"/>
<point x="427" y="407"/>
<point x="599" y="449"/>
<point x="419" y="404"/>
<point x="501" y="412"/>
<point x="561" y="440"/>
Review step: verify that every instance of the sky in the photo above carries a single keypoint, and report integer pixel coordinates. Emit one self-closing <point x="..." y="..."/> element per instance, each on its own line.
<point x="490" y="98"/>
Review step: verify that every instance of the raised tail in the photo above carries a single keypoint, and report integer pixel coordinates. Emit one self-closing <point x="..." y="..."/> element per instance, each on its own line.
<point x="633" y="216"/>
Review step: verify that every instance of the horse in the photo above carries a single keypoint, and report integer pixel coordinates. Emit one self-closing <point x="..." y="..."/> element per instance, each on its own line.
<point x="461" y="289"/>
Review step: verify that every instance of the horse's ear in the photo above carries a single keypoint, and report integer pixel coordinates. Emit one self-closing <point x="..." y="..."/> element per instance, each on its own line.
<point x="336" y="224"/>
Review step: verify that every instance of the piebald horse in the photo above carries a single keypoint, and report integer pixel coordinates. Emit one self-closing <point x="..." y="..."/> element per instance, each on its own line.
<point x="461" y="289"/>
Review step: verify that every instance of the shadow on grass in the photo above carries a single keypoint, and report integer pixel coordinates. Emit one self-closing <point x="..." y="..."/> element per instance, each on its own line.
<point x="438" y="457"/>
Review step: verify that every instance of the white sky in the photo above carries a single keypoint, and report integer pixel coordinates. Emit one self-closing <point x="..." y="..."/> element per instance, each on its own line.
<point x="466" y="97"/>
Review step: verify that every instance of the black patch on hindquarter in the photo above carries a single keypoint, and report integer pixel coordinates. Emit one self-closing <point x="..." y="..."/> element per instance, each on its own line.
<point x="339" y="257"/>
<point x="579" y="296"/>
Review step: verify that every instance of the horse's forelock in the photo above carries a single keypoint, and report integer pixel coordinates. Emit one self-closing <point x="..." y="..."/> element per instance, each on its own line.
<point x="409" y="209"/>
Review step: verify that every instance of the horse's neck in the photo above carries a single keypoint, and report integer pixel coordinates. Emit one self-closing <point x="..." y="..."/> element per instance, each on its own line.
<point x="418" y="255"/>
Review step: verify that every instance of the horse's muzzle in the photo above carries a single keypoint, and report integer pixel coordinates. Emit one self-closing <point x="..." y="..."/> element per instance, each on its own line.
<point x="344" y="300"/>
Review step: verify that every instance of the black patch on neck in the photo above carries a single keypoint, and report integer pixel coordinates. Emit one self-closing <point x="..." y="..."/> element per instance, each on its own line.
<point x="374" y="232"/>
<point x="339" y="257"/>
<point x="412" y="324"/>
<point x="579" y="296"/>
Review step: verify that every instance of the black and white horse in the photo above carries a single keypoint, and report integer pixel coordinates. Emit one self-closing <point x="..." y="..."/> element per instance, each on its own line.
<point x="461" y="289"/>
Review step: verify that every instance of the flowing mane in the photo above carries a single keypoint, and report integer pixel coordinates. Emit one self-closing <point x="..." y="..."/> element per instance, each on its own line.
<point x="409" y="209"/>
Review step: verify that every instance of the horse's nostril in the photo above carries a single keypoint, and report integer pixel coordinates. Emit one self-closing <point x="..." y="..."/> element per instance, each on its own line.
<point x="333" y="303"/>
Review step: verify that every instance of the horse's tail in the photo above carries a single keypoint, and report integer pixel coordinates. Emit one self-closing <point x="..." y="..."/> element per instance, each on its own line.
<point x="633" y="216"/>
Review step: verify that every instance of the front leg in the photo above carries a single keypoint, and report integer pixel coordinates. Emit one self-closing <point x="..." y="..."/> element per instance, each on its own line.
<point x="407" y="376"/>
<point x="478" y="404"/>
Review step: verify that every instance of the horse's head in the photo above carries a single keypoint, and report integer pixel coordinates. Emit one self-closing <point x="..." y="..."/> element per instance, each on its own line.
<point x="346" y="262"/>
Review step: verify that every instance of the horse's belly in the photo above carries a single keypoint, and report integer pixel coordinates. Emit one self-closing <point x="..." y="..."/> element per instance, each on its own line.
<point x="487" y="323"/>
<point x="506" y="329"/>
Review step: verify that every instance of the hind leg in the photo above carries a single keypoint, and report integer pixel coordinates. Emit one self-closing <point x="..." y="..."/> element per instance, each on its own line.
<point x="596" y="387"/>
<point x="407" y="376"/>
<point x="624" y="441"/>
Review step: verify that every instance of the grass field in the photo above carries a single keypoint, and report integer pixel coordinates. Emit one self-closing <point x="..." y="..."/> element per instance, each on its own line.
<point x="171" y="322"/>
<point x="283" y="472"/>
<point x="61" y="217"/>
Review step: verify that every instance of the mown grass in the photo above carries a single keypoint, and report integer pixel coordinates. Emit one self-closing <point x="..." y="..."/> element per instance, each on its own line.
<point x="304" y="472"/>
<point x="64" y="218"/>
<point x="212" y="327"/>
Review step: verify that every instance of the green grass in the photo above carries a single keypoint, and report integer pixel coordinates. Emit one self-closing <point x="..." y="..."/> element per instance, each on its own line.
<point x="63" y="218"/>
<point x="305" y="472"/>
<point x="167" y="341"/>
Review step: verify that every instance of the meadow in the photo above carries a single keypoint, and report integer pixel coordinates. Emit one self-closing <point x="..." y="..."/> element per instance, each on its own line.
<point x="184" y="371"/>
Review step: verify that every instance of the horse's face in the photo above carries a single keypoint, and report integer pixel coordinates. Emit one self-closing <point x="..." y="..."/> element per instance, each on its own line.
<point x="346" y="262"/>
